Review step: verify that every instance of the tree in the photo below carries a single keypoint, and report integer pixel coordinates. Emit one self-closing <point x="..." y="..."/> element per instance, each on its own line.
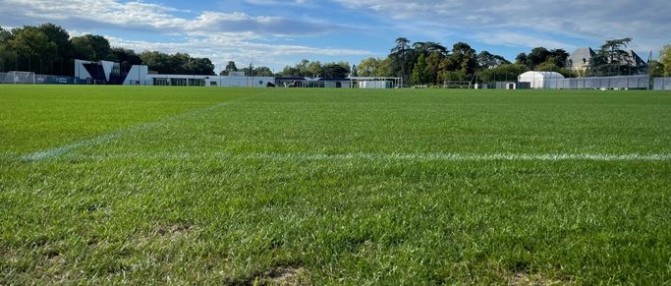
<point x="335" y="70"/>
<point x="92" y="48"/>
<point x="505" y="72"/>
<point x="461" y="64"/>
<point x="290" y="71"/>
<point x="434" y="56"/>
<point x="486" y="60"/>
<point x="373" y="67"/>
<point x="230" y="67"/>
<point x="611" y="59"/>
<point x="656" y="69"/>
<point x="7" y="59"/>
<point x="537" y="56"/>
<point x="522" y="59"/>
<point x="155" y="61"/>
<point x="551" y="66"/>
<point x="427" y="48"/>
<point x="419" y="72"/>
<point x="33" y="46"/>
<point x="126" y="58"/>
<point x="433" y="65"/>
<point x="61" y="38"/>
<point x="665" y="59"/>
<point x="4" y="36"/>
<point x="558" y="57"/>
<point x="263" y="71"/>
<point x="313" y="69"/>
<point x="402" y="59"/>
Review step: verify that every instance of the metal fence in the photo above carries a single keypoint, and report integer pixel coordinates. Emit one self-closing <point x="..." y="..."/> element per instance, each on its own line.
<point x="662" y="83"/>
<point x="612" y="82"/>
<point x="32" y="78"/>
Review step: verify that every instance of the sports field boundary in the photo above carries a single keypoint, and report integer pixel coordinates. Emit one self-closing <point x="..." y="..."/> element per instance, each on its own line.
<point x="410" y="157"/>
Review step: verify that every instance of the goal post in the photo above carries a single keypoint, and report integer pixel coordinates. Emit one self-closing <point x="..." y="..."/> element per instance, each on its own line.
<point x="19" y="77"/>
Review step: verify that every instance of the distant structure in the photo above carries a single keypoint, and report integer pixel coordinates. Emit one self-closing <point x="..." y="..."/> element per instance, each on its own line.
<point x="349" y="82"/>
<point x="539" y="79"/>
<point x="105" y="72"/>
<point x="102" y="72"/>
<point x="579" y="61"/>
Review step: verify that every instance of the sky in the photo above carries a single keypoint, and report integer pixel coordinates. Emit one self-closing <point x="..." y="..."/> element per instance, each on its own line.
<point x="276" y="33"/>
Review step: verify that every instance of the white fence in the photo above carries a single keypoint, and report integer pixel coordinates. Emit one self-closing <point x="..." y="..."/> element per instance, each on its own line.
<point x="612" y="82"/>
<point x="662" y="83"/>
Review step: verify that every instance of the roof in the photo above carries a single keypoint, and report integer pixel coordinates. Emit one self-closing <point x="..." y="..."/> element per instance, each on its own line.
<point x="543" y="74"/>
<point x="581" y="56"/>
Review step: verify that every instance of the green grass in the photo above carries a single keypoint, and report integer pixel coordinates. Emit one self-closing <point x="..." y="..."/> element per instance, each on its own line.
<point x="108" y="185"/>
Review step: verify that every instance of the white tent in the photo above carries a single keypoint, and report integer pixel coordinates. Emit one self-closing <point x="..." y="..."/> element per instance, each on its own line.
<point x="539" y="79"/>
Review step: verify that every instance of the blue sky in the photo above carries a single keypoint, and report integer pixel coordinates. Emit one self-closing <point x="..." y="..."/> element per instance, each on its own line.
<point x="276" y="33"/>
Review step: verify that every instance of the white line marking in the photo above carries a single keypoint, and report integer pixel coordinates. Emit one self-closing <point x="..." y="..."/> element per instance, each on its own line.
<point x="105" y="138"/>
<point x="414" y="157"/>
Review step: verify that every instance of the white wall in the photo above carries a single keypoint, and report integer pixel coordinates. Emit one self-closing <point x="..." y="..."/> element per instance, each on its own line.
<point x="138" y="75"/>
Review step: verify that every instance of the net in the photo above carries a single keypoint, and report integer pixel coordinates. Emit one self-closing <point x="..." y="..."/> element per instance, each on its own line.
<point x="19" y="77"/>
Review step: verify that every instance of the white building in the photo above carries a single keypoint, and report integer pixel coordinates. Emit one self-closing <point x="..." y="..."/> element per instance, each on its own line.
<point x="97" y="72"/>
<point x="539" y="79"/>
<point x="139" y="75"/>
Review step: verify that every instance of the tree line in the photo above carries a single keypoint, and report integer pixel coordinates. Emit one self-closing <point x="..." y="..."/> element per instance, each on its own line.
<point x="431" y="63"/>
<point x="49" y="49"/>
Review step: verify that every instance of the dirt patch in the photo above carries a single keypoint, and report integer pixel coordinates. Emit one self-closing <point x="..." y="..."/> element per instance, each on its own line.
<point x="526" y="279"/>
<point x="287" y="276"/>
<point x="279" y="276"/>
<point x="174" y="230"/>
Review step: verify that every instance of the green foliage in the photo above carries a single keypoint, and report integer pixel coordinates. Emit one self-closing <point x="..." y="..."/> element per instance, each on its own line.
<point x="33" y="46"/>
<point x="656" y="69"/>
<point x="335" y="70"/>
<point x="420" y="73"/>
<point x="92" y="48"/>
<point x="434" y="63"/>
<point x="48" y="48"/>
<point x="461" y="63"/>
<point x="126" y="58"/>
<point x="307" y="68"/>
<point x="179" y="63"/>
<point x="551" y="66"/>
<point x="373" y="67"/>
<point x="357" y="187"/>
<point x="665" y="59"/>
<point x="612" y="59"/>
<point x="230" y="67"/>
<point x="487" y="60"/>
<point x="542" y="59"/>
<point x="505" y="72"/>
<point x="402" y="59"/>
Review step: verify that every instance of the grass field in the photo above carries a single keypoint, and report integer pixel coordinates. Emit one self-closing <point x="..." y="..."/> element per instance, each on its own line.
<point x="137" y="185"/>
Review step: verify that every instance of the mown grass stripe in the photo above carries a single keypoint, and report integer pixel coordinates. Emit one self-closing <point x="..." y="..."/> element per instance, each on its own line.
<point x="105" y="138"/>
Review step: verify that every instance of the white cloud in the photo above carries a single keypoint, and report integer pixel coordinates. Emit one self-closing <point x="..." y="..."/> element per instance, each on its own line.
<point x="217" y="35"/>
<point x="513" y="39"/>
<point x="221" y="50"/>
<point x="648" y="22"/>
<point x="225" y="34"/>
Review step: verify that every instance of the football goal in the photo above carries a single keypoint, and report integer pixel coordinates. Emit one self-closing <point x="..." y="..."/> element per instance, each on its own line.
<point x="18" y="77"/>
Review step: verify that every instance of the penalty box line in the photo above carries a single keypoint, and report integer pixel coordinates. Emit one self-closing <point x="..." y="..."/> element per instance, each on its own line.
<point x="106" y="138"/>
<point x="412" y="157"/>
